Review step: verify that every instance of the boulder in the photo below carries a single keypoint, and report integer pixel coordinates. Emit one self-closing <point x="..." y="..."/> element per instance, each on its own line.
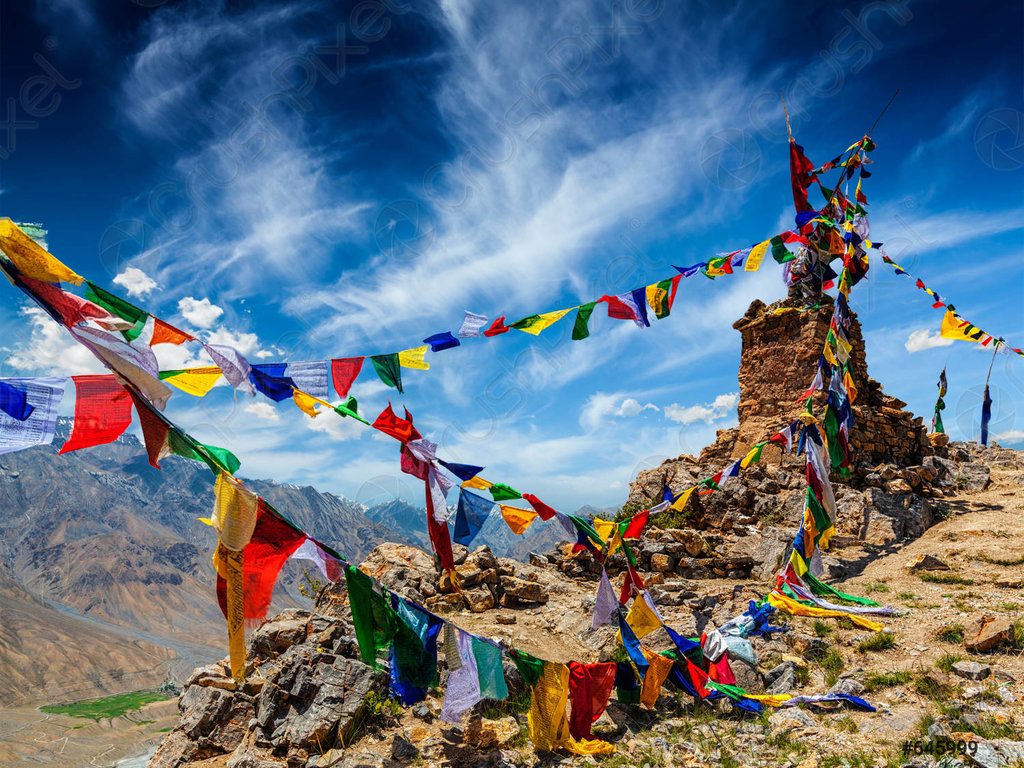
<point x="524" y="590"/>
<point x="983" y="633"/>
<point x="889" y="517"/>
<point x="927" y="563"/>
<point x="490" y="734"/>
<point x="848" y="687"/>
<point x="274" y="637"/>
<point x="973" y="476"/>
<point x="781" y="679"/>
<point x="971" y="670"/>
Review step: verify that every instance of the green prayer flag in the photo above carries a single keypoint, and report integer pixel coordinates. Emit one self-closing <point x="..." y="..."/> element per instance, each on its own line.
<point x="821" y="518"/>
<point x="118" y="306"/>
<point x="579" y="328"/>
<point x="820" y="588"/>
<point x="526" y="322"/>
<point x="388" y="369"/>
<point x="217" y="459"/>
<point x="665" y="307"/>
<point x="502" y="492"/>
<point x="350" y="408"/>
<point x="779" y="251"/>
<point x="530" y="667"/>
<point x="373" y="619"/>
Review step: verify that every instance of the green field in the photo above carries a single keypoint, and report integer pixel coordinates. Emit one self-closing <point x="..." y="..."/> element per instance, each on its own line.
<point x="105" y="708"/>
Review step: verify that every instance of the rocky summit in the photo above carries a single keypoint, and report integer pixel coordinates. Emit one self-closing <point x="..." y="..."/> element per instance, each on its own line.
<point x="924" y="525"/>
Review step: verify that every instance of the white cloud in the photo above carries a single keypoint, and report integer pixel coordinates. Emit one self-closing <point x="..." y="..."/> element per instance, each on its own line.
<point x="1010" y="436"/>
<point x="600" y="406"/>
<point x="44" y="348"/>
<point x="135" y="281"/>
<point x="246" y="343"/>
<point x="262" y="410"/>
<point x="718" y="408"/>
<point x="200" y="312"/>
<point x="923" y="339"/>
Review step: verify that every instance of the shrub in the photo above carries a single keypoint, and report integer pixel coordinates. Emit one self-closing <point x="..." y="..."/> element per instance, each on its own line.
<point x="880" y="641"/>
<point x="951" y="633"/>
<point x="944" y="578"/>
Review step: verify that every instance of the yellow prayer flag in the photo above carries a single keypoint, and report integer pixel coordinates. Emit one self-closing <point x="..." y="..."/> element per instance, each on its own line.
<point x="658" y="669"/>
<point x="851" y="388"/>
<point x="679" y="503"/>
<point x="751" y="455"/>
<point x="607" y="529"/>
<point x="414" y="358"/>
<point x="830" y="355"/>
<point x="656" y="296"/>
<point x="307" y="403"/>
<point x="518" y="519"/>
<point x="772" y="700"/>
<point x="541" y="322"/>
<point x="234" y="513"/>
<point x="756" y="256"/>
<point x="951" y="328"/>
<point x="477" y="482"/>
<point x="788" y="605"/>
<point x="195" y="381"/>
<point x="547" y="720"/>
<point x="30" y="258"/>
<point x="641" y="619"/>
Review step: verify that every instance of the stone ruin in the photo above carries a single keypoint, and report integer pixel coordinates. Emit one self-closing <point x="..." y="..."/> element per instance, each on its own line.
<point x="744" y="529"/>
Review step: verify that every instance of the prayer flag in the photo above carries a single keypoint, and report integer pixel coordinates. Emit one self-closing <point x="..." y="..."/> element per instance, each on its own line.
<point x="388" y="369"/>
<point x="534" y="324"/>
<point x="986" y="414"/>
<point x="579" y="328"/>
<point x="472" y="513"/>
<point x="233" y="365"/>
<point x="400" y="429"/>
<point x="154" y="430"/>
<point x="311" y="377"/>
<point x="542" y="509"/>
<point x="42" y="396"/>
<point x="164" y="333"/>
<point x="590" y="686"/>
<point x="30" y="258"/>
<point x="270" y="380"/>
<point x="518" y="520"/>
<point x="14" y="401"/>
<point x="497" y="327"/>
<point x="502" y="492"/>
<point x="343" y="372"/>
<point x="234" y="513"/>
<point x="193" y="381"/>
<point x="103" y="411"/>
<point x="472" y="325"/>
<point x="441" y="341"/>
<point x="462" y="471"/>
<point x="414" y="358"/>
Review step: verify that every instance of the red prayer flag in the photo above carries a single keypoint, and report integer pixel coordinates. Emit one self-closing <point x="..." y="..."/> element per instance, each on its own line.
<point x="154" y="430"/>
<point x="103" y="411"/>
<point x="632" y="582"/>
<point x="440" y="539"/>
<point x="71" y="308"/>
<point x="272" y="543"/>
<point x="636" y="526"/>
<point x="165" y="333"/>
<point x="412" y="465"/>
<point x="400" y="429"/>
<point x="497" y="327"/>
<point x="800" y="176"/>
<point x="344" y="371"/>
<point x="590" y="687"/>
<point x="543" y="510"/>
<point x="618" y="309"/>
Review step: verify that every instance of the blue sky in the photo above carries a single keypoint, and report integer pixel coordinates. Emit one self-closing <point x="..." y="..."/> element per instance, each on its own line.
<point x="312" y="180"/>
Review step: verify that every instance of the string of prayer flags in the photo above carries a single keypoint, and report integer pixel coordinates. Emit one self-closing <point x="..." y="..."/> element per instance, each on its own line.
<point x="42" y="402"/>
<point x="103" y="411"/>
<point x="388" y="369"/>
<point x="441" y="341"/>
<point x="580" y="329"/>
<point x="343" y="372"/>
<point x="472" y="513"/>
<point x="518" y="520"/>
<point x="31" y="259"/>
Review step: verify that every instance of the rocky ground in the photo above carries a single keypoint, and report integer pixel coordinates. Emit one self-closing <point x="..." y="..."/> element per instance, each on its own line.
<point x="943" y="548"/>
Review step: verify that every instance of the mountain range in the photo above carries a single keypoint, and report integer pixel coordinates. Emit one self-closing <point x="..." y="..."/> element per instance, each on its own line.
<point x="105" y="569"/>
